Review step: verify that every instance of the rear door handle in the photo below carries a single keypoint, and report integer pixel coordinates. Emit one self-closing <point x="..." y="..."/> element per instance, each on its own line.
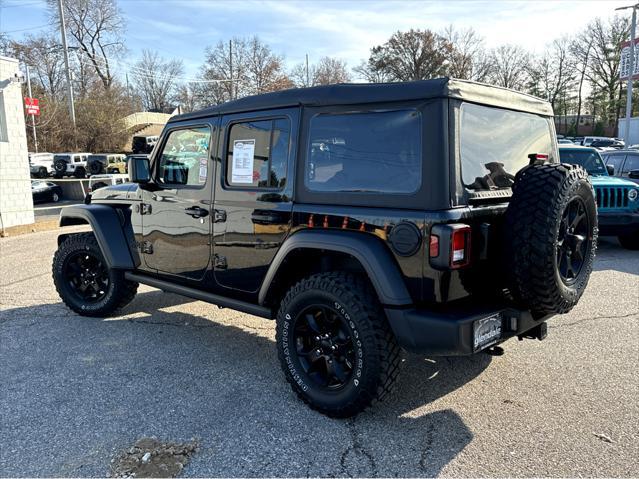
<point x="196" y="212"/>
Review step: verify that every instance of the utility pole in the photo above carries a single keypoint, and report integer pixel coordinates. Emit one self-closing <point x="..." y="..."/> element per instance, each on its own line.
<point x="231" y="66"/>
<point x="35" y="137"/>
<point x="128" y="92"/>
<point x="633" y="33"/>
<point x="63" y="33"/>
<point x="308" y="82"/>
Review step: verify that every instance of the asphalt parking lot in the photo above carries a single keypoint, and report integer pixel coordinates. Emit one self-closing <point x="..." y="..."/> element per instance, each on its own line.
<point x="76" y="391"/>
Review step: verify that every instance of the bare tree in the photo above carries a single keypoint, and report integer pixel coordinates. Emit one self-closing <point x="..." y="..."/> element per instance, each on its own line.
<point x="603" y="68"/>
<point x="581" y="50"/>
<point x="154" y="80"/>
<point x="241" y="67"/>
<point x="43" y="55"/>
<point x="468" y="59"/>
<point x="95" y="26"/>
<point x="327" y="71"/>
<point x="264" y="69"/>
<point x="367" y="70"/>
<point x="411" y="55"/>
<point x="553" y="74"/>
<point x="509" y="67"/>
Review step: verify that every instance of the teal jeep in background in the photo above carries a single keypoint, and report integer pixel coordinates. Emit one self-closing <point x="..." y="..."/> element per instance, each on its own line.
<point x="617" y="199"/>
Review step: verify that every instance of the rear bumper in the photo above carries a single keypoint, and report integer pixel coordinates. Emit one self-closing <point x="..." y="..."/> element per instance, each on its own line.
<point x="451" y="333"/>
<point x="618" y="223"/>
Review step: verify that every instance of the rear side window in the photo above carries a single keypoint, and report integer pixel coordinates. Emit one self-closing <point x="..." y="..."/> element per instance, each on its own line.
<point x="495" y="145"/>
<point x="258" y="153"/>
<point x="372" y="152"/>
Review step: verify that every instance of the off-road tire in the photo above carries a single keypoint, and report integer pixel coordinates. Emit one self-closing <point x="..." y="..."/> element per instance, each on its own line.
<point x="357" y="303"/>
<point x="630" y="241"/>
<point x="95" y="167"/>
<point x="60" y="168"/>
<point x="80" y="173"/>
<point x="43" y="173"/>
<point x="541" y="194"/>
<point x="120" y="291"/>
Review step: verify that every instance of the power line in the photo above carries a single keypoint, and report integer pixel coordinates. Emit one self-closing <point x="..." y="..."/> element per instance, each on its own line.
<point x="25" y="29"/>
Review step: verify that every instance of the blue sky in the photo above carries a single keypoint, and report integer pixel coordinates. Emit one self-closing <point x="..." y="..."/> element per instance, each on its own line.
<point x="347" y="30"/>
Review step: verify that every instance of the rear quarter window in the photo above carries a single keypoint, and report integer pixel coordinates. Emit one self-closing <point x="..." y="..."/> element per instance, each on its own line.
<point x="495" y="144"/>
<point x="370" y="152"/>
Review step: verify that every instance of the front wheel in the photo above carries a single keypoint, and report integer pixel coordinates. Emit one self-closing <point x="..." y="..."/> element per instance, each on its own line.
<point x="84" y="281"/>
<point x="335" y="345"/>
<point x="630" y="241"/>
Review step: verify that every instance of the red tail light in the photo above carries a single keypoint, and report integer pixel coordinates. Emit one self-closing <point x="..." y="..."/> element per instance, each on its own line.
<point x="460" y="247"/>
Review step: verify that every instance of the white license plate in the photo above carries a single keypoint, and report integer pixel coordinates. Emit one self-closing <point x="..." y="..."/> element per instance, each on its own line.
<point x="487" y="331"/>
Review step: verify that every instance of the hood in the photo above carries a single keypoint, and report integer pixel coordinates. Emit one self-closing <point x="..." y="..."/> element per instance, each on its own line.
<point x="611" y="181"/>
<point x="114" y="192"/>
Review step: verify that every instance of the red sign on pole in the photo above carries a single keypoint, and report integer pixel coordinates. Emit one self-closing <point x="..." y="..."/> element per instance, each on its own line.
<point x="32" y="105"/>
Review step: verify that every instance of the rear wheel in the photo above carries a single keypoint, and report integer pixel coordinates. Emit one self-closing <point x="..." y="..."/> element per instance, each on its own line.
<point x="84" y="281"/>
<point x="630" y="241"/>
<point x="42" y="172"/>
<point x="334" y="344"/>
<point x="80" y="173"/>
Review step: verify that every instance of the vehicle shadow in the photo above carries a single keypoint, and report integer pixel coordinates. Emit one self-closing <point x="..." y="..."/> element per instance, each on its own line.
<point x="612" y="256"/>
<point x="96" y="386"/>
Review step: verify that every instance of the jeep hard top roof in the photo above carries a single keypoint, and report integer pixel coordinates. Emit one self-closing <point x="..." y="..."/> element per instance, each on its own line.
<point x="359" y="93"/>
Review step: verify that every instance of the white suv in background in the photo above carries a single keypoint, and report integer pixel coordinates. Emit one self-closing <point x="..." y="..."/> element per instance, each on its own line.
<point x="41" y="164"/>
<point x="70" y="164"/>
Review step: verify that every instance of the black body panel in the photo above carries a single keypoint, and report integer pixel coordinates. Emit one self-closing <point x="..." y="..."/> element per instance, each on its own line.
<point x="369" y="251"/>
<point x="112" y="229"/>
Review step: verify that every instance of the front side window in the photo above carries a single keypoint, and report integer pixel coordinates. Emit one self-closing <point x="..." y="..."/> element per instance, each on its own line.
<point x="258" y="153"/>
<point x="632" y="163"/>
<point x="372" y="152"/>
<point x="184" y="159"/>
<point x="615" y="160"/>
<point x="495" y="145"/>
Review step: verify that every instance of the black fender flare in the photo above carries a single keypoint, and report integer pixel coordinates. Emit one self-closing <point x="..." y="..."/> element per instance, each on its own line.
<point x="373" y="255"/>
<point x="108" y="225"/>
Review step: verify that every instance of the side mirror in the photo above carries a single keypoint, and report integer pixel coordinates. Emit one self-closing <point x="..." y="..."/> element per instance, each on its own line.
<point x="634" y="174"/>
<point x="139" y="170"/>
<point x="611" y="170"/>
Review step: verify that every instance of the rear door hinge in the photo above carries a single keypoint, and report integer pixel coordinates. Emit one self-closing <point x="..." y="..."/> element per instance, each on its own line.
<point x="146" y="247"/>
<point x="219" y="261"/>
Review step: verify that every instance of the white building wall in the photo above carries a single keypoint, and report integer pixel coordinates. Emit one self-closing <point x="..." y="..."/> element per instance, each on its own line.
<point x="634" y="130"/>
<point x="16" y="202"/>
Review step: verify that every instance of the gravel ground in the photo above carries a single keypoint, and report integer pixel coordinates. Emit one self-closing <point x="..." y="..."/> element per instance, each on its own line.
<point x="76" y="392"/>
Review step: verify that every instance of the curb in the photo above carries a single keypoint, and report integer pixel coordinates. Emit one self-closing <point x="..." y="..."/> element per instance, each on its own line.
<point x="44" y="225"/>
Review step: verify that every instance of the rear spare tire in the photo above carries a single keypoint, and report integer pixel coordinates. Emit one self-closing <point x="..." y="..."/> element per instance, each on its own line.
<point x="60" y="167"/>
<point x="550" y="237"/>
<point x="95" y="167"/>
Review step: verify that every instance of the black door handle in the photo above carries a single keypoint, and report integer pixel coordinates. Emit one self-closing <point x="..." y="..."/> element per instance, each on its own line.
<point x="196" y="212"/>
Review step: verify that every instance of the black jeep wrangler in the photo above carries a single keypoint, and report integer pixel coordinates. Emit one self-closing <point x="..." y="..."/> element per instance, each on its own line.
<point x="431" y="216"/>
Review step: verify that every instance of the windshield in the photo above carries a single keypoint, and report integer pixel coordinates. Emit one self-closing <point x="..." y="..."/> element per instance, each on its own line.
<point x="587" y="159"/>
<point x="495" y="145"/>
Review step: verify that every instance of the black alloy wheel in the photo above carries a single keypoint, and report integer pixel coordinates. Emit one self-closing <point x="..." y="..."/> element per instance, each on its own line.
<point x="87" y="276"/>
<point x="573" y="240"/>
<point x="324" y="346"/>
